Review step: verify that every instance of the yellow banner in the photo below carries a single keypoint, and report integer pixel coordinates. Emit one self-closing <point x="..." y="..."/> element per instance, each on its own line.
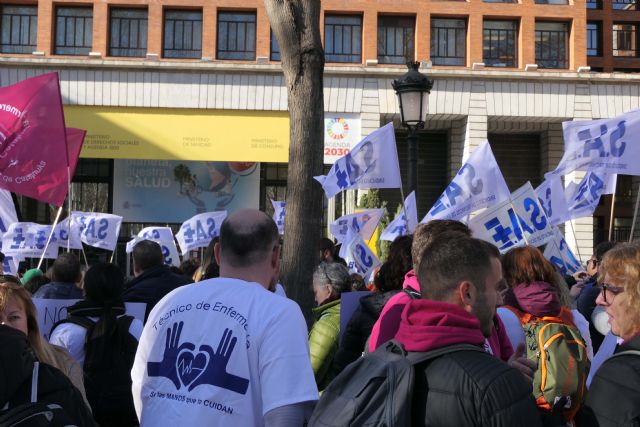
<point x="181" y="134"/>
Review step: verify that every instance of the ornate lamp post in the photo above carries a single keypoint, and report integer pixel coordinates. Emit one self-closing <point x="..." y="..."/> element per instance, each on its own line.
<point x="413" y="90"/>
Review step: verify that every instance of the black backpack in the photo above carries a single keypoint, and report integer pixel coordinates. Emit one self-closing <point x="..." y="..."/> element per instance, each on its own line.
<point x="34" y="414"/>
<point x="376" y="389"/>
<point x="107" y="371"/>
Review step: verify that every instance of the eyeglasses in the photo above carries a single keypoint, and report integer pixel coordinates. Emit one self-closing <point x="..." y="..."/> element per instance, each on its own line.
<point x="593" y="261"/>
<point x="611" y="290"/>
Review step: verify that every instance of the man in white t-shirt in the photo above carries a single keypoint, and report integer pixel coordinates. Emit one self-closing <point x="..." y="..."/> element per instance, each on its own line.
<point x="227" y="351"/>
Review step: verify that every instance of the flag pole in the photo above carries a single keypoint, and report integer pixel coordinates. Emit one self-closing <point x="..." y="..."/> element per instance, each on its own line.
<point x="575" y="239"/>
<point x="112" y="255"/>
<point x="524" y="237"/>
<point x="635" y="216"/>
<point x="69" y="197"/>
<point x="404" y="209"/>
<point x="613" y="202"/>
<point x="53" y="230"/>
<point x="84" y="255"/>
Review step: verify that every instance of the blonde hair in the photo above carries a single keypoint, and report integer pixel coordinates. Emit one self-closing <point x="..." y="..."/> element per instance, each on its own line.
<point x="10" y="288"/>
<point x="622" y="264"/>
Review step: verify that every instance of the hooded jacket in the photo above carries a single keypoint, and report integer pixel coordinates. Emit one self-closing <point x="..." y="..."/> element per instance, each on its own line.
<point x="463" y="388"/>
<point x="614" y="396"/>
<point x="358" y="329"/>
<point x="387" y="324"/>
<point x="323" y="341"/>
<point x="59" y="290"/>
<point x="152" y="285"/>
<point x="16" y="370"/>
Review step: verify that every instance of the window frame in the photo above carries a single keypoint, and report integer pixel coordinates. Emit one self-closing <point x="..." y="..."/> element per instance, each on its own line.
<point x="197" y="53"/>
<point x="19" y="48"/>
<point x="598" y="38"/>
<point x="116" y="8"/>
<point x="349" y="58"/>
<point x="250" y="54"/>
<point x="562" y="64"/>
<point x="81" y="50"/>
<point x="408" y="33"/>
<point x="435" y="38"/>
<point x="632" y="40"/>
<point x="515" y="53"/>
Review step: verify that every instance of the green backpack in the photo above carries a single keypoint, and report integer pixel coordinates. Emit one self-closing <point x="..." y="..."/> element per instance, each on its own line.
<point x="563" y="365"/>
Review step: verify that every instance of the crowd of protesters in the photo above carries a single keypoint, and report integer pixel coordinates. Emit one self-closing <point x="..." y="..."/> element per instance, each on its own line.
<point x="221" y="344"/>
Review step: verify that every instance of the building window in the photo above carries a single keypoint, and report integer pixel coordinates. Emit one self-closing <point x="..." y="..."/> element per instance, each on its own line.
<point x="624" y="4"/>
<point x="182" y="34"/>
<point x="499" y="44"/>
<point x="19" y="28"/>
<point x="448" y="41"/>
<point x="625" y="40"/>
<point x="551" y="1"/>
<point x="552" y="44"/>
<point x="275" y="49"/>
<point x="343" y="38"/>
<point x="500" y="1"/>
<point x="594" y="4"/>
<point x="396" y="35"/>
<point x="593" y="39"/>
<point x="237" y="35"/>
<point x="128" y="32"/>
<point x="74" y="30"/>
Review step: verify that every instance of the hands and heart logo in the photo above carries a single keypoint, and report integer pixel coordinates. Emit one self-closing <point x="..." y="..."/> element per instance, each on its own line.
<point x="186" y="367"/>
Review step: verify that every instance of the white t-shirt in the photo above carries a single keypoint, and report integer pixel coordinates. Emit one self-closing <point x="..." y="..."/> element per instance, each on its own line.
<point x="71" y="337"/>
<point x="222" y="352"/>
<point x="514" y="330"/>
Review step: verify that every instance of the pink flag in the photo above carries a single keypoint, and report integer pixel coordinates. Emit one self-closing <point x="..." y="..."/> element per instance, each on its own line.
<point x="75" y="139"/>
<point x="33" y="148"/>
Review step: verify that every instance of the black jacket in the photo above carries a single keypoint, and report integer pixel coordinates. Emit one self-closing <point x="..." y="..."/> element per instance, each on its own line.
<point x="359" y="328"/>
<point x="614" y="396"/>
<point x="152" y="285"/>
<point x="472" y="388"/>
<point x="16" y="370"/>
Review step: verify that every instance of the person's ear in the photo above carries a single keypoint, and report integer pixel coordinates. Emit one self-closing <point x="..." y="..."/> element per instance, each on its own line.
<point x="466" y="293"/>
<point x="216" y="252"/>
<point x="275" y="256"/>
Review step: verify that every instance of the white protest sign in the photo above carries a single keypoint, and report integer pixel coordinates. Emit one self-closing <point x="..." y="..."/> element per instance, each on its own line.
<point x="551" y="196"/>
<point x="163" y="236"/>
<point x="498" y="225"/>
<point x="199" y="230"/>
<point x="533" y="221"/>
<point x="561" y="256"/>
<point x="100" y="230"/>
<point x="359" y="257"/>
<point x="363" y="223"/>
<point x="50" y="311"/>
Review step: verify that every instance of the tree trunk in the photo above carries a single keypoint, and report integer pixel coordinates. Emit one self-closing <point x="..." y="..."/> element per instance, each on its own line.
<point x="296" y="26"/>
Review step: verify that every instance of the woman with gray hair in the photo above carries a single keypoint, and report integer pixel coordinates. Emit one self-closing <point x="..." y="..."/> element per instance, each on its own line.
<point x="329" y="281"/>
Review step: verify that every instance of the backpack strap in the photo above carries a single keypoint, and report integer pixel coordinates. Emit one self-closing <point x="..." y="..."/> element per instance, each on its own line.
<point x="124" y="322"/>
<point x="565" y="316"/>
<point x="626" y="353"/>
<point x="85" y="322"/>
<point x="416" y="357"/>
<point x="34" y="382"/>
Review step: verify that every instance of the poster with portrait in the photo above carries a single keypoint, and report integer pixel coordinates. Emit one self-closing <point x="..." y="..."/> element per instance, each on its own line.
<point x="167" y="191"/>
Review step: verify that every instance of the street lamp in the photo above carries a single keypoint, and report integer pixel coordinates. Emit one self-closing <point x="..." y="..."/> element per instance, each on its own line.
<point x="413" y="90"/>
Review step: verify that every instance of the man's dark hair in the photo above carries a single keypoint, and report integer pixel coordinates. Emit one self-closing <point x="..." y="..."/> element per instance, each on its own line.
<point x="188" y="267"/>
<point x="242" y="243"/>
<point x="103" y="283"/>
<point x="426" y="233"/>
<point x="602" y="248"/>
<point x="451" y="258"/>
<point x="147" y="254"/>
<point x="327" y="244"/>
<point x="66" y="268"/>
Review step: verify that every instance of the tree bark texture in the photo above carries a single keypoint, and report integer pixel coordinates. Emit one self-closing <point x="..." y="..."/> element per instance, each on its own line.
<point x="296" y="26"/>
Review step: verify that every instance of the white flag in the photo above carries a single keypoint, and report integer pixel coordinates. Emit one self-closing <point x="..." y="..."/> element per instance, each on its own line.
<point x="478" y="184"/>
<point x="359" y="257"/>
<point x="607" y="143"/>
<point x="162" y="236"/>
<point x="10" y="264"/>
<point x="498" y="225"/>
<point x="560" y="255"/>
<point x="100" y="230"/>
<point x="534" y="223"/>
<point x="551" y="196"/>
<point x="583" y="198"/>
<point x="408" y="215"/>
<point x="279" y="210"/>
<point x="199" y="230"/>
<point x="363" y="223"/>
<point x="373" y="163"/>
<point x="7" y="211"/>
<point x="68" y="231"/>
<point x="28" y="240"/>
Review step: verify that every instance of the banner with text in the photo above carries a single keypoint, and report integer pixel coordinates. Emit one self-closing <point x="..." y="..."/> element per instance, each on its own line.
<point x="162" y="236"/>
<point x="341" y="134"/>
<point x="199" y="230"/>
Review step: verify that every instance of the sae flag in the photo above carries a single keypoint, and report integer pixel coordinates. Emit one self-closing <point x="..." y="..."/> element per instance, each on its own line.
<point x="551" y="196"/>
<point x="363" y="223"/>
<point x="7" y="211"/>
<point x="162" y="236"/>
<point x="279" y="210"/>
<point x="560" y="255"/>
<point x="198" y="231"/>
<point x="100" y="230"/>
<point x="373" y="163"/>
<point x="498" y="225"/>
<point x="407" y="216"/>
<point x="478" y="184"/>
<point x="28" y="240"/>
<point x="609" y="144"/>
<point x="68" y="231"/>
<point x="359" y="257"/>
<point x="583" y="198"/>
<point x="534" y="223"/>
